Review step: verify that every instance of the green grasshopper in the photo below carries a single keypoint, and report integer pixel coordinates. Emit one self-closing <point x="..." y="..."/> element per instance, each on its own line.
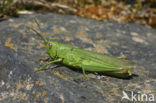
<point x="84" y="59"/>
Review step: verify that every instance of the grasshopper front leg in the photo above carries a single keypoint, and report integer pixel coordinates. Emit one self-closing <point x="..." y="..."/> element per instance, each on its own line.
<point x="48" y="63"/>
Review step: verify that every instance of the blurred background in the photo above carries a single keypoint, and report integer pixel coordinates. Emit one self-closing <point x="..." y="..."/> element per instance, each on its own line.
<point x="139" y="11"/>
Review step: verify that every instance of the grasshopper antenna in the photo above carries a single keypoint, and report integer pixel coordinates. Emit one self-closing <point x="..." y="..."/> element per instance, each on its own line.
<point x="39" y="33"/>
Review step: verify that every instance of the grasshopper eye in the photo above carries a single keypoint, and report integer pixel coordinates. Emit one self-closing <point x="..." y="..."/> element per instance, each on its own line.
<point x="50" y="45"/>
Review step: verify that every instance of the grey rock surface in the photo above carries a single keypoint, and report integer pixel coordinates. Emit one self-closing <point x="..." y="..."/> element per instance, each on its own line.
<point x="21" y="51"/>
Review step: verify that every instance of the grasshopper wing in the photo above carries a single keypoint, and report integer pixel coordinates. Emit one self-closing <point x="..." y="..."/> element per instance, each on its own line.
<point x="108" y="63"/>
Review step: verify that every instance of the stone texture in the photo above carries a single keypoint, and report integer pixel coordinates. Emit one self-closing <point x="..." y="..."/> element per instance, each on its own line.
<point x="21" y="51"/>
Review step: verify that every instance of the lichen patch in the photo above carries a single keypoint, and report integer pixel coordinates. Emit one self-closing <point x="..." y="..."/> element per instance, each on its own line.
<point x="81" y="34"/>
<point x="101" y="49"/>
<point x="98" y="35"/>
<point x="8" y="44"/>
<point x="68" y="38"/>
<point x="139" y="40"/>
<point x="61" y="76"/>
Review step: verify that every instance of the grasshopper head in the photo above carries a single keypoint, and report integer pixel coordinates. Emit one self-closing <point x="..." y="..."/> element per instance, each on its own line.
<point x="51" y="47"/>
